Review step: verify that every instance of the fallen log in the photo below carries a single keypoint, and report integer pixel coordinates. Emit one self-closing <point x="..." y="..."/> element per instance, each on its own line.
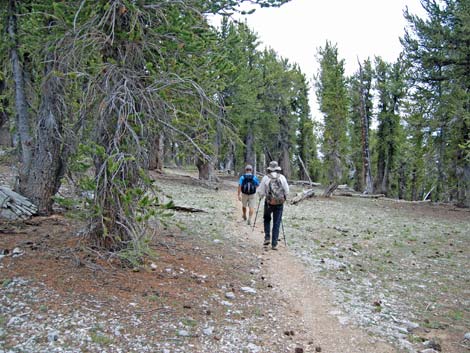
<point x="345" y="187"/>
<point x="306" y="194"/>
<point x="15" y="206"/>
<point x="303" y="182"/>
<point x="186" y="209"/>
<point x="364" y="196"/>
<point x="407" y="201"/>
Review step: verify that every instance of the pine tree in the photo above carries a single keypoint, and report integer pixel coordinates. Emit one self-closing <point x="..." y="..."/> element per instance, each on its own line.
<point x="391" y="90"/>
<point x="360" y="93"/>
<point x="438" y="51"/>
<point x="307" y="154"/>
<point x="332" y="97"/>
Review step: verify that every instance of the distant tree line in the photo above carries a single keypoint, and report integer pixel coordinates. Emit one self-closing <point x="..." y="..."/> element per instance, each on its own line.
<point x="418" y="107"/>
<point x="96" y="93"/>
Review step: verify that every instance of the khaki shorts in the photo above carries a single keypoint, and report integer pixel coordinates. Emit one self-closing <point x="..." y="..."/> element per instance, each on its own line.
<point x="249" y="200"/>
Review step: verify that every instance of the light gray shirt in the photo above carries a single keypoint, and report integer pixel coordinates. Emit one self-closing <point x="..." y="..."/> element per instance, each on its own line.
<point x="263" y="187"/>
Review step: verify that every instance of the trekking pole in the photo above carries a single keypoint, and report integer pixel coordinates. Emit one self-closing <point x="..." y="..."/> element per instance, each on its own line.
<point x="256" y="215"/>
<point x="284" y="233"/>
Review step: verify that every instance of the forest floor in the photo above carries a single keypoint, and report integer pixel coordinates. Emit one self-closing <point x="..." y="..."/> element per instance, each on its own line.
<point x="358" y="275"/>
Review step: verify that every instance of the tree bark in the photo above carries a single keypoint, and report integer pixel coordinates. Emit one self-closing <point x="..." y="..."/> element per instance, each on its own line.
<point x="414" y="185"/>
<point x="366" y="170"/>
<point x="305" y="170"/>
<point x="47" y="166"/>
<point x="402" y="181"/>
<point x="206" y="169"/>
<point x="156" y="152"/>
<point x="380" y="170"/>
<point x="284" y="160"/>
<point x="230" y="158"/>
<point x="218" y="140"/>
<point x="21" y="104"/>
<point x="5" y="137"/>
<point x="330" y="189"/>
<point x="302" y="196"/>
<point x="249" y="145"/>
<point x="463" y="171"/>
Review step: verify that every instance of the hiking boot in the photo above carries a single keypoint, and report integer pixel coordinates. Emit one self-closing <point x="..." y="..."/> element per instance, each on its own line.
<point x="274" y="247"/>
<point x="244" y="217"/>
<point x="266" y="242"/>
<point x="249" y="222"/>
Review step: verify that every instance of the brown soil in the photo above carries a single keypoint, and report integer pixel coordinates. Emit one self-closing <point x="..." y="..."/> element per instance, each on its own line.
<point x="308" y="301"/>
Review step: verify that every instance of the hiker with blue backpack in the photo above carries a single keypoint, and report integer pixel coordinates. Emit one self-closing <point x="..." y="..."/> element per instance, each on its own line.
<point x="274" y="189"/>
<point x="246" y="193"/>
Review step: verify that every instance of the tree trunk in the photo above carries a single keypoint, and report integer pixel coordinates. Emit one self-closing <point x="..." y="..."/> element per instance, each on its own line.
<point x="305" y="171"/>
<point x="385" y="179"/>
<point x="463" y="170"/>
<point x="414" y="185"/>
<point x="230" y="158"/>
<point x="366" y="170"/>
<point x="380" y="171"/>
<point x="284" y="160"/>
<point x="156" y="151"/>
<point x="464" y="187"/>
<point x="47" y="166"/>
<point x="21" y="104"/>
<point x="218" y="141"/>
<point x="335" y="170"/>
<point x="206" y="169"/>
<point x="265" y="164"/>
<point x="5" y="137"/>
<point x="249" y="146"/>
<point x="402" y="181"/>
<point x="330" y="189"/>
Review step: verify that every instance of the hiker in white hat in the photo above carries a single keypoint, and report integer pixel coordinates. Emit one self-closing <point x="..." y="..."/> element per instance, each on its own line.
<point x="275" y="189"/>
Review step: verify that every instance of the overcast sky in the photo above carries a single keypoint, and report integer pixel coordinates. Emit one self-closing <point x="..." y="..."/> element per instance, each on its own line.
<point x="359" y="28"/>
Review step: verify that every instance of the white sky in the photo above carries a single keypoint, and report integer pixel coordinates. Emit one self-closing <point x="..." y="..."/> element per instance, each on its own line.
<point x="359" y="28"/>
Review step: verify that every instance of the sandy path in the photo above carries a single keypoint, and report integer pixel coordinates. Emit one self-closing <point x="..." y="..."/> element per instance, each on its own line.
<point x="306" y="299"/>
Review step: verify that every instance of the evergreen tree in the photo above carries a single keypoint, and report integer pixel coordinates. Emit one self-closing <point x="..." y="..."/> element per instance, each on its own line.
<point x="361" y="106"/>
<point x="332" y="97"/>
<point x="241" y="84"/>
<point x="391" y="89"/>
<point x="438" y="53"/>
<point x="307" y="154"/>
<point x="279" y="113"/>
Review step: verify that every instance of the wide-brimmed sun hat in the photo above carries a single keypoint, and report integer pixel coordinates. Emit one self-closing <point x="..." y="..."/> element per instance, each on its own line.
<point x="273" y="167"/>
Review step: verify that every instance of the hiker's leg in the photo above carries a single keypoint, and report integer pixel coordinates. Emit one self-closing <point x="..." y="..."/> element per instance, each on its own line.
<point x="244" y="205"/>
<point x="277" y="219"/>
<point x="267" y="221"/>
<point x="251" y="207"/>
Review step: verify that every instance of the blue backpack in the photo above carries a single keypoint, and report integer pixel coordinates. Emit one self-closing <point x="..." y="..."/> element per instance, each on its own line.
<point x="248" y="185"/>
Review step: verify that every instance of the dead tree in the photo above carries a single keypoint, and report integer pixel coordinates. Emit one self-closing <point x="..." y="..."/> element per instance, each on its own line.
<point x="330" y="189"/>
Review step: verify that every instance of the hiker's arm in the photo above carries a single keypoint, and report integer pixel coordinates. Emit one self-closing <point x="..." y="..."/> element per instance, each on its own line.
<point x="262" y="188"/>
<point x="285" y="185"/>
<point x="239" y="193"/>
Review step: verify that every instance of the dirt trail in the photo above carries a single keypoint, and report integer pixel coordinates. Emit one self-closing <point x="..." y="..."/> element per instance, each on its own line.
<point x="308" y="301"/>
